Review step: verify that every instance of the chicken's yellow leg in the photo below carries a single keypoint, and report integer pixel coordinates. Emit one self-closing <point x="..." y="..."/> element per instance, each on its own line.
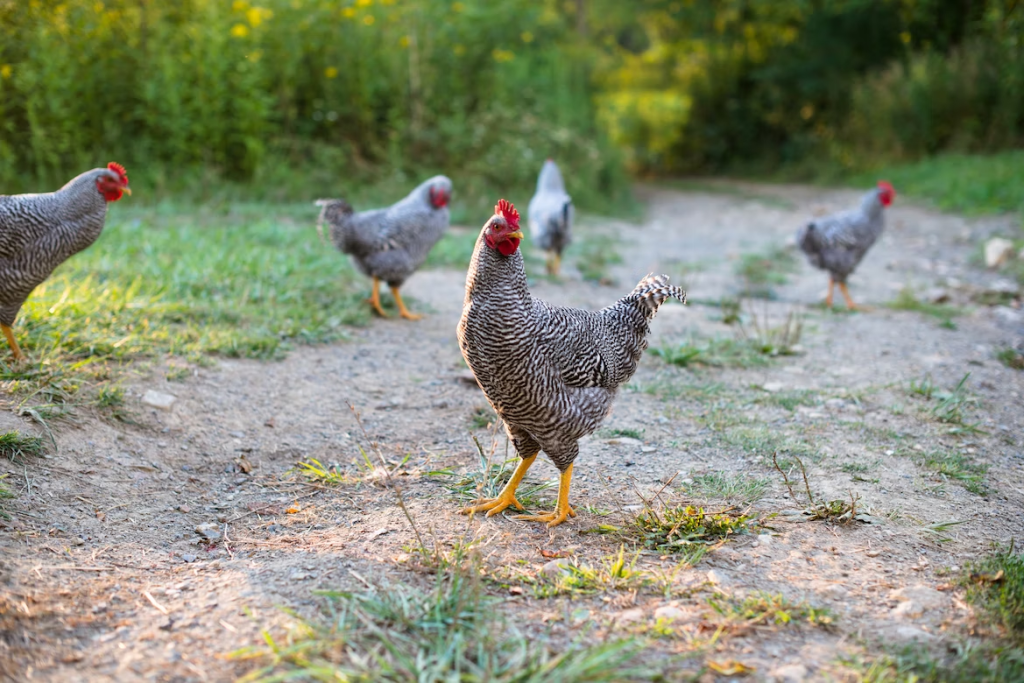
<point x="374" y="299"/>
<point x="402" y="310"/>
<point x="562" y="509"/>
<point x="508" y="494"/>
<point x="828" y="297"/>
<point x="849" y="302"/>
<point x="12" y="342"/>
<point x="554" y="264"/>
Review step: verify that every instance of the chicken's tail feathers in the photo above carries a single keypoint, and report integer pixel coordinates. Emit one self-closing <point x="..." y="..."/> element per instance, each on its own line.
<point x="331" y="210"/>
<point x="652" y="291"/>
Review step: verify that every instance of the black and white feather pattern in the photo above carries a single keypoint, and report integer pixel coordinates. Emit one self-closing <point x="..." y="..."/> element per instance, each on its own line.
<point x="837" y="243"/>
<point x="550" y="372"/>
<point x="550" y="212"/>
<point x="389" y="244"/>
<point x="38" y="232"/>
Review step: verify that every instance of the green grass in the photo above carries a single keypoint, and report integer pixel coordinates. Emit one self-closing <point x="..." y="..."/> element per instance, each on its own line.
<point x="454" y="250"/>
<point x="629" y="432"/>
<point x="1011" y="358"/>
<point x="761" y="271"/>
<point x="487" y="482"/>
<point x="593" y="256"/>
<point x="970" y="663"/>
<point x="996" y="584"/>
<point x="788" y="400"/>
<point x="717" y="352"/>
<point x="5" y="493"/>
<point x="994" y="181"/>
<point x="315" y="471"/>
<point x="15" y="446"/>
<point x="239" y="280"/>
<point x="763" y="608"/>
<point x="906" y="301"/>
<point x="717" y="486"/>
<point x="452" y="632"/>
<point x="614" y="573"/>
<point x="958" y="467"/>
<point x="685" y="530"/>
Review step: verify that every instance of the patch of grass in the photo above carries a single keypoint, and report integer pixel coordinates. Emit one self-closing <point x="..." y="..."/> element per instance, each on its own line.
<point x="958" y="467"/>
<point x="177" y="373"/>
<point x="1011" y="358"/>
<point x="815" y="508"/>
<point x="970" y="663"/>
<point x="763" y="608"/>
<point x="5" y="493"/>
<point x="593" y="256"/>
<point x="906" y="301"/>
<point x="488" y="481"/>
<point x="454" y="250"/>
<point x="629" y="432"/>
<point x="764" y="441"/>
<point x="240" y="280"/>
<point x="951" y="404"/>
<point x="684" y="530"/>
<point x="788" y="399"/>
<point x="718" y="486"/>
<point x="482" y="418"/>
<point x="398" y="633"/>
<point x="718" y="352"/>
<point x="110" y="397"/>
<point x="781" y="340"/>
<point x="331" y="475"/>
<point x="615" y="572"/>
<point x="996" y="584"/>
<point x="761" y="271"/>
<point x="673" y="384"/>
<point x="15" y="446"/>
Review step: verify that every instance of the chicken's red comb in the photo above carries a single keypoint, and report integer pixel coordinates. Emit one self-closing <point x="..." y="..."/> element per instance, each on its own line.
<point x="508" y="212"/>
<point x="886" y="185"/>
<point x="119" y="170"/>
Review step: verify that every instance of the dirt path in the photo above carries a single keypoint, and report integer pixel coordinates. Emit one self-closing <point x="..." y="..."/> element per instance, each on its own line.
<point x="103" y="575"/>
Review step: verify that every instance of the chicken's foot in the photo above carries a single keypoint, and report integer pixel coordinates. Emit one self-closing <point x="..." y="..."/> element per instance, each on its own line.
<point x="562" y="509"/>
<point x="374" y="299"/>
<point x="554" y="263"/>
<point x="828" y="297"/>
<point x="12" y="342"/>
<point x="849" y="302"/>
<point x="493" y="506"/>
<point x="402" y="310"/>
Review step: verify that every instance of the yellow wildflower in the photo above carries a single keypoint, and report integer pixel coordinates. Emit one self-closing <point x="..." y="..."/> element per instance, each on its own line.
<point x="806" y="111"/>
<point x="364" y="3"/>
<point x="368" y="20"/>
<point x="458" y="7"/>
<point x="239" y="30"/>
<point x="502" y="55"/>
<point x="97" y="8"/>
<point x="5" y="71"/>
<point x="255" y="17"/>
<point x="349" y="12"/>
<point x="331" y="72"/>
<point x="387" y="2"/>
<point x="527" y="37"/>
<point x="404" y="41"/>
<point x="459" y="50"/>
<point x="240" y="5"/>
<point x="905" y="37"/>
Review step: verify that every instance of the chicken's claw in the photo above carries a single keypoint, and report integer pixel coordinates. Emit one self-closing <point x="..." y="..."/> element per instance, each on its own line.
<point x="491" y="506"/>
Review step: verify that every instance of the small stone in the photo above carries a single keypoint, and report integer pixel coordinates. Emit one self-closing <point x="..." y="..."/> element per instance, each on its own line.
<point x="772" y="387"/>
<point x="718" y="577"/>
<point x="925" y="596"/>
<point x="790" y="673"/>
<point x="555" y="569"/>
<point x="236" y="435"/>
<point x="79" y="541"/>
<point x="299" y="575"/>
<point x="184" y="508"/>
<point x="908" y="609"/>
<point x="630" y="615"/>
<point x="835" y="404"/>
<point x="158" y="399"/>
<point x="648" y="449"/>
<point x="208" y="531"/>
<point x="936" y="295"/>
<point x="188" y="557"/>
<point x="998" y="251"/>
<point x="669" y="612"/>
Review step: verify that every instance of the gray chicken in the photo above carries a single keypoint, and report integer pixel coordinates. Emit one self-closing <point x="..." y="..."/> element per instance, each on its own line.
<point x="837" y="243"/>
<point x="390" y="244"/>
<point x="550" y="215"/>
<point x="38" y="232"/>
<point x="549" y="372"/>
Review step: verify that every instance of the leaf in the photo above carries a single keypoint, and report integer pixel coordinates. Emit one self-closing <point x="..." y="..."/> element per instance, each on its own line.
<point x="293" y="509"/>
<point x="553" y="554"/>
<point x="730" y="667"/>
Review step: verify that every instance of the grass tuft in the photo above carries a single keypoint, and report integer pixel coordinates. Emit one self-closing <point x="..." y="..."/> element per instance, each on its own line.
<point x="996" y="584"/>
<point x="1011" y="358"/>
<point x="763" y="608"/>
<point x="906" y="301"/>
<point x="315" y="471"/>
<point x="15" y="446"/>
<point x="718" y="486"/>
<point x="760" y="272"/>
<point x="685" y="530"/>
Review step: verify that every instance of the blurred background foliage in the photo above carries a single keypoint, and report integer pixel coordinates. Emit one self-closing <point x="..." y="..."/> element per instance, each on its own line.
<point x="301" y="98"/>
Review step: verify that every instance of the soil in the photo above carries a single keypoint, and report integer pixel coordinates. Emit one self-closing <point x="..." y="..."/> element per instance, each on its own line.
<point x="104" y="577"/>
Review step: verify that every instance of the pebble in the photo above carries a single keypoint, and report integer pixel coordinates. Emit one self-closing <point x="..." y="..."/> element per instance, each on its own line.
<point x="925" y="597"/>
<point x="835" y="404"/>
<point x="208" y="531"/>
<point x="555" y="568"/>
<point x="158" y="399"/>
<point x="790" y="673"/>
<point x="908" y="609"/>
<point x="718" y="577"/>
<point x="772" y="387"/>
<point x="630" y="615"/>
<point x="669" y="612"/>
<point x="188" y="557"/>
<point x="998" y="251"/>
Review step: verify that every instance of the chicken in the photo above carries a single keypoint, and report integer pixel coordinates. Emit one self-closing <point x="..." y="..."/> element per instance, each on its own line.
<point x="838" y="242"/>
<point x="390" y="244"/>
<point x="38" y="232"/>
<point x="549" y="372"/>
<point x="550" y="214"/>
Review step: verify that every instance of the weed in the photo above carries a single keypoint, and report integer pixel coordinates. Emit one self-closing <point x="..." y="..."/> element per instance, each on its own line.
<point x="958" y="467"/>
<point x="730" y="311"/>
<point x="855" y="467"/>
<point x="763" y="608"/>
<point x="773" y="341"/>
<point x="951" y="404"/>
<point x="685" y="530"/>
<point x="4" y="494"/>
<point x="315" y="471"/>
<point x="398" y="633"/>
<point x="788" y="399"/>
<point x="669" y="384"/>
<point x="996" y="583"/>
<point x="925" y="387"/>
<point x="906" y="301"/>
<point x="177" y="373"/>
<point x="1011" y="358"/>
<point x="630" y="432"/>
<point x="761" y="440"/>
<point x="615" y="572"/>
<point x="14" y="446"/>
<point x="760" y="272"/>
<point x="833" y="510"/>
<point x="969" y="663"/>
<point x="718" y="486"/>
<point x="110" y="397"/>
<point x="938" y="531"/>
<point x="719" y="352"/>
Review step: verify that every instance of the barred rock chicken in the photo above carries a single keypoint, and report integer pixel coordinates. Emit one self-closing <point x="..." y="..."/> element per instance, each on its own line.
<point x="38" y="232"/>
<point x="838" y="242"/>
<point x="390" y="244"/>
<point x="549" y="372"/>
<point x="550" y="214"/>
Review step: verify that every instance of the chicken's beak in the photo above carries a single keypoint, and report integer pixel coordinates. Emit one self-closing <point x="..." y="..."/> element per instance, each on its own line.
<point x="518" y="234"/>
<point x="127" y="190"/>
